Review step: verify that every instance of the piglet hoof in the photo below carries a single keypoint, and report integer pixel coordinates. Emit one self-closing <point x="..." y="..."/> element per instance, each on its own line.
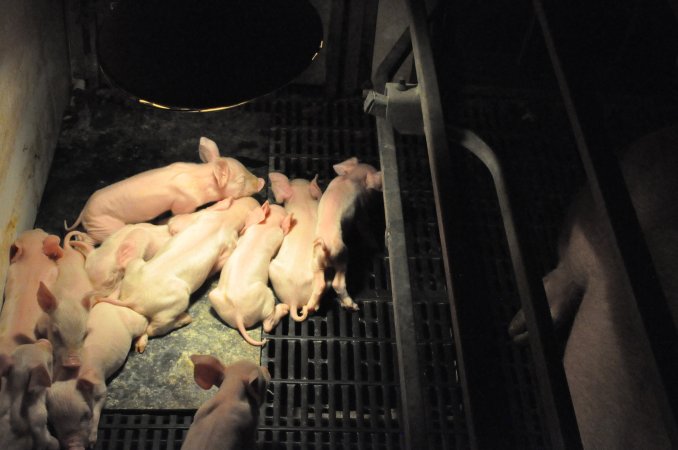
<point x="141" y="343"/>
<point x="348" y="303"/>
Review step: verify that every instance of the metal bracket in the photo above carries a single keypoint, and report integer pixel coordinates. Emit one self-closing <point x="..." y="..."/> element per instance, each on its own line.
<point x="400" y="106"/>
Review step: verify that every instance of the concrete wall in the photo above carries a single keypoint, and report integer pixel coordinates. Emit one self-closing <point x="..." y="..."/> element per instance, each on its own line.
<point x="34" y="90"/>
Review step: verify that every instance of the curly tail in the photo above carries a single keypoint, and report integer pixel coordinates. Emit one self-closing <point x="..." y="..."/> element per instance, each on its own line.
<point x="84" y="244"/>
<point x="76" y="223"/>
<point x="294" y="313"/>
<point x="247" y="337"/>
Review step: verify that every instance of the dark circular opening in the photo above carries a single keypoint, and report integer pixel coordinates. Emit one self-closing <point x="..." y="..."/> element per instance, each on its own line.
<point x="190" y="55"/>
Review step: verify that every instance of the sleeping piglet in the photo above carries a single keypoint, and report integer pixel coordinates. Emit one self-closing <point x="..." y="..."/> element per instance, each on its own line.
<point x="23" y="414"/>
<point x="65" y="306"/>
<point x="160" y="289"/>
<point x="75" y="405"/>
<point x="290" y="270"/>
<point x="242" y="297"/>
<point x="227" y="421"/>
<point x="29" y="266"/>
<point x="179" y="187"/>
<point x="337" y="205"/>
<point x="106" y="264"/>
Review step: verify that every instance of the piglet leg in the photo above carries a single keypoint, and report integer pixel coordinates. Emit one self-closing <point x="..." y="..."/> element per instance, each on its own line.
<point x="339" y="286"/>
<point x="318" y="289"/>
<point x="280" y="311"/>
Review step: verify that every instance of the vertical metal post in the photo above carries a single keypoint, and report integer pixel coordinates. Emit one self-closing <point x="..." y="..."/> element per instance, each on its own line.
<point x="413" y="420"/>
<point x="439" y="160"/>
<point x="555" y="394"/>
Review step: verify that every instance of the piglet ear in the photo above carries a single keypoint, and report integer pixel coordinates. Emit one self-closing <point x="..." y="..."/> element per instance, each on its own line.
<point x="126" y="253"/>
<point x="222" y="205"/>
<point x="374" y="181"/>
<point x="255" y="386"/>
<point x="266" y="208"/>
<point x="287" y="223"/>
<point x="85" y="385"/>
<point x="345" y="167"/>
<point x="316" y="193"/>
<point x="208" y="150"/>
<point x="46" y="299"/>
<point x="280" y="185"/>
<point x="208" y="371"/>
<point x="254" y="217"/>
<point x="39" y="379"/>
<point x="221" y="172"/>
<point x="15" y="252"/>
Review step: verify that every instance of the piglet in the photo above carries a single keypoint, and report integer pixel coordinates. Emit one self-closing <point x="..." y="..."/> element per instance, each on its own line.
<point x="65" y="306"/>
<point x="23" y="414"/>
<point x="106" y="264"/>
<point x="75" y="405"/>
<point x="607" y="367"/>
<point x="160" y="288"/>
<point x="227" y="421"/>
<point x="178" y="187"/>
<point x="242" y="297"/>
<point x="29" y="266"/>
<point x="290" y="270"/>
<point x="337" y="205"/>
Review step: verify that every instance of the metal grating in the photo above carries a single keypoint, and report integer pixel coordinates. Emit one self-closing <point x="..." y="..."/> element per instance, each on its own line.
<point x="334" y="376"/>
<point x="154" y="431"/>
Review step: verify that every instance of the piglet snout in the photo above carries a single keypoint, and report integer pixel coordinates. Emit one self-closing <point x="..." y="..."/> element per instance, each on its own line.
<point x="71" y="361"/>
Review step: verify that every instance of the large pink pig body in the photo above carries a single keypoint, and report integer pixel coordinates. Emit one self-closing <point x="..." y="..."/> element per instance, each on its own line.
<point x="28" y="267"/>
<point x="65" y="306"/>
<point x="290" y="271"/>
<point x="227" y="421"/>
<point x="160" y="288"/>
<point x="23" y="413"/>
<point x="178" y="187"/>
<point x="338" y="204"/>
<point x="106" y="264"/>
<point x="242" y="297"/>
<point x="75" y="405"/>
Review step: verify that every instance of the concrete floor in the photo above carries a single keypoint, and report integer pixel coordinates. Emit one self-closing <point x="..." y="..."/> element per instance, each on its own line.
<point x="106" y="138"/>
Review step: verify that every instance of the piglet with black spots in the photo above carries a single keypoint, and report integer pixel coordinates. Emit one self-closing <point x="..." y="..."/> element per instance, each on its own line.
<point x="337" y="206"/>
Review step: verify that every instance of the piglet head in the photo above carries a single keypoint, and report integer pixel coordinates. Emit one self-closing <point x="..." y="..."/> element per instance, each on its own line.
<point x="232" y="178"/>
<point x="29" y="241"/>
<point x="237" y="181"/>
<point x="361" y="173"/>
<point x="65" y="326"/>
<point x="69" y="407"/>
<point x="209" y="371"/>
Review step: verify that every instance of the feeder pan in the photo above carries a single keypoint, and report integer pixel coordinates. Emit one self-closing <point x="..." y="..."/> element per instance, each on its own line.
<point x="206" y="55"/>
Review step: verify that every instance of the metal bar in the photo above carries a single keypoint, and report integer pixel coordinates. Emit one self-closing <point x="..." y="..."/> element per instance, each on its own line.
<point x="611" y="196"/>
<point x="439" y="160"/>
<point x="413" y="424"/>
<point x="397" y="55"/>
<point x="392" y="61"/>
<point x="548" y="365"/>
